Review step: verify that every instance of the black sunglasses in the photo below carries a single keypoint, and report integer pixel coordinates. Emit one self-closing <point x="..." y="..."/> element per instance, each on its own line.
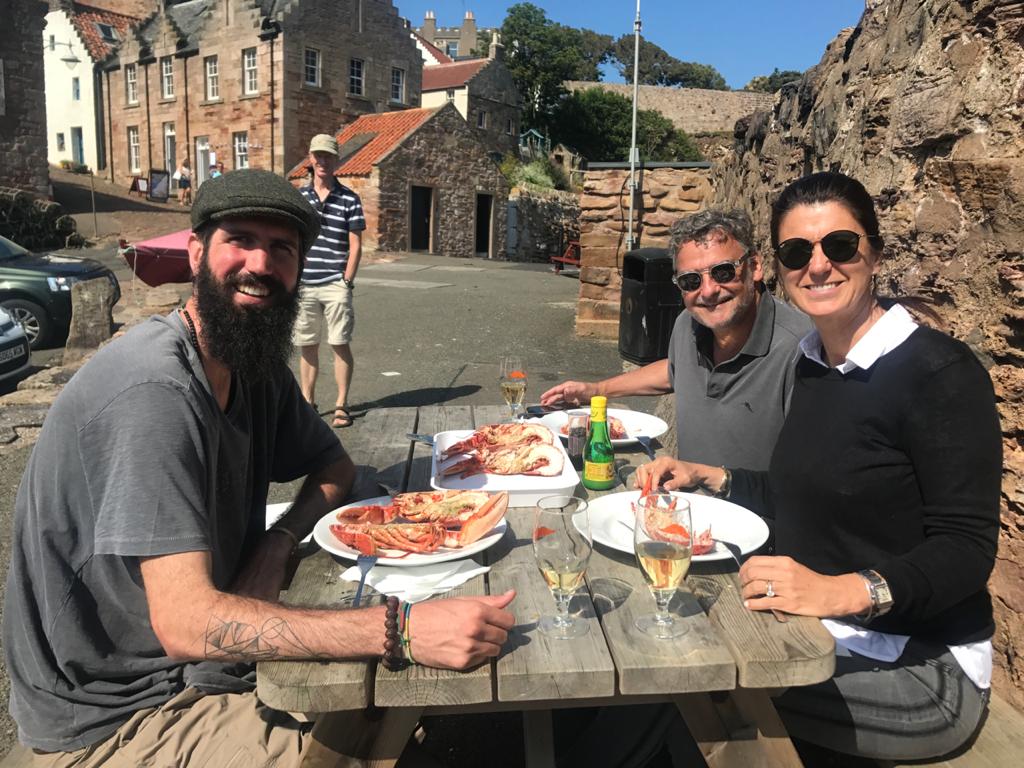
<point x="721" y="273"/>
<point x="839" y="246"/>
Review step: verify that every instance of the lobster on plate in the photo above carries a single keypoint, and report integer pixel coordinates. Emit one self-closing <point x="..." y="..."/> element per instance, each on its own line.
<point x="494" y="436"/>
<point x="523" y="459"/>
<point x="421" y="522"/>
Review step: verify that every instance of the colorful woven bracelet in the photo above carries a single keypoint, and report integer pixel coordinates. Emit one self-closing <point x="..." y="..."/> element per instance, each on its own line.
<point x="406" y="632"/>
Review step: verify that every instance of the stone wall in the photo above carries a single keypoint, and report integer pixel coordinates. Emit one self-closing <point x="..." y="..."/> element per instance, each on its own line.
<point x="492" y="90"/>
<point x="923" y="103"/>
<point x="665" y="195"/>
<point x="694" y="110"/>
<point x="22" y="103"/>
<point x="446" y="155"/>
<point x="541" y="221"/>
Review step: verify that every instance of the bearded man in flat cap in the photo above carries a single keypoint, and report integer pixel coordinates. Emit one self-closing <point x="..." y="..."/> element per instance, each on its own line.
<point x="143" y="584"/>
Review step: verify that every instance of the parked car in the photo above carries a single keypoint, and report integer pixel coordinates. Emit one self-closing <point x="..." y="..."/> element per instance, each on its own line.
<point x="35" y="289"/>
<point x="14" y="351"/>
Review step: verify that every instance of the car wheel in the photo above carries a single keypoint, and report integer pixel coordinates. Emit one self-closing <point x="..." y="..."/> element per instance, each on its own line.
<point x="32" y="318"/>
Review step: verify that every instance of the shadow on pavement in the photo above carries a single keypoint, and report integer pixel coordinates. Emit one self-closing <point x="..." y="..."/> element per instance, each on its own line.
<point x="424" y="396"/>
<point x="77" y="199"/>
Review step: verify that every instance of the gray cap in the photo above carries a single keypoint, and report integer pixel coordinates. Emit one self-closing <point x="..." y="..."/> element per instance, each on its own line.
<point x="255" y="194"/>
<point x="324" y="142"/>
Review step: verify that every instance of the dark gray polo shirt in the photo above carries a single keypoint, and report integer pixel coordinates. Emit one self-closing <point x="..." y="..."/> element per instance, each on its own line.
<point x="730" y="414"/>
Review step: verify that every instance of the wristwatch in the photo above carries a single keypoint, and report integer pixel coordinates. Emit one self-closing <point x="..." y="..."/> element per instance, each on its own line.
<point x="350" y="283"/>
<point x="881" y="595"/>
<point x="726" y="487"/>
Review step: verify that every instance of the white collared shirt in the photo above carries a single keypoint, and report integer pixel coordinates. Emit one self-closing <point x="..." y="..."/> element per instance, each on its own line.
<point x="890" y="330"/>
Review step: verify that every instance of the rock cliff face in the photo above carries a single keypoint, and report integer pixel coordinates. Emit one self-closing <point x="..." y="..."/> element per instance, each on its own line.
<point x="923" y="102"/>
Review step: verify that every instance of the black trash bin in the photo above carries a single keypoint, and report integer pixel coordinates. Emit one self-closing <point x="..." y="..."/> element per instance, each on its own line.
<point x="650" y="304"/>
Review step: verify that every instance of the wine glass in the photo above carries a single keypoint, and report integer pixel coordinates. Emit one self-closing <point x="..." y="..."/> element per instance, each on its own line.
<point x="512" y="371"/>
<point x="561" y="543"/>
<point x="662" y="541"/>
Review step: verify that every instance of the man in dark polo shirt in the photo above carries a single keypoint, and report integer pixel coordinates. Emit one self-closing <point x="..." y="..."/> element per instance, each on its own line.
<point x="325" y="292"/>
<point x="731" y="354"/>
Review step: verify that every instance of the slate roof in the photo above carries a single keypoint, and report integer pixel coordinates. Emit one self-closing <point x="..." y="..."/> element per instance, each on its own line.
<point x="367" y="140"/>
<point x="187" y="18"/>
<point x="454" y="75"/>
<point x="435" y="53"/>
<point x="85" y="18"/>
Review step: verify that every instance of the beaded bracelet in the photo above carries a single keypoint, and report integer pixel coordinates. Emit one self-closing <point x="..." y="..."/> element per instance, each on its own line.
<point x="392" y="641"/>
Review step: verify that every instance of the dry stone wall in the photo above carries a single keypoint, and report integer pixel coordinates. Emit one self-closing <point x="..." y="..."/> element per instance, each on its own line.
<point x="923" y="102"/>
<point x="541" y="222"/>
<point x="664" y="195"/>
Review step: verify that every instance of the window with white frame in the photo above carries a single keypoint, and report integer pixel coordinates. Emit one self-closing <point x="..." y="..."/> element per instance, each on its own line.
<point x="250" y="76"/>
<point x="131" y="84"/>
<point x="240" y="141"/>
<point x="452" y="49"/>
<point x="481" y="119"/>
<point x="355" y="77"/>
<point x="76" y="89"/>
<point x="167" y="77"/>
<point x="311" y="68"/>
<point x="212" y="78"/>
<point x="398" y="85"/>
<point x="134" y="155"/>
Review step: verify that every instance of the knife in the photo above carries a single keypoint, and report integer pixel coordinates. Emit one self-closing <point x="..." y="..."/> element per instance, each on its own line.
<point x="425" y="439"/>
<point x="645" y="443"/>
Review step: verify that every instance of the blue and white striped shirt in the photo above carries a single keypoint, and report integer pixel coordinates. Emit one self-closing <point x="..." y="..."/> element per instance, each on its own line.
<point x="340" y="212"/>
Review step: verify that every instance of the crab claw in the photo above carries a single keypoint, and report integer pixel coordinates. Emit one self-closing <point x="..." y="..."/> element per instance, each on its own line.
<point x="484" y="519"/>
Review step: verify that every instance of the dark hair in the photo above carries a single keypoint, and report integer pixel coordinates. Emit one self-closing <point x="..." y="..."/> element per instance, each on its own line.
<point x="828" y="187"/>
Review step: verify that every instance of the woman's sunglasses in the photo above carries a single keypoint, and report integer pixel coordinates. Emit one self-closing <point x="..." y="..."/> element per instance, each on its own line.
<point x="721" y="273"/>
<point x="839" y="246"/>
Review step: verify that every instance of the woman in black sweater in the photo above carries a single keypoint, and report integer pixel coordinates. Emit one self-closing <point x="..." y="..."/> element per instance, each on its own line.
<point x="884" y="491"/>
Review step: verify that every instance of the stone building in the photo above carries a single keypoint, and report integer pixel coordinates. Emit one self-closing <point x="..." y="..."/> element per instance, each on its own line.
<point x="426" y="181"/>
<point x="454" y="42"/>
<point x="484" y="93"/>
<point x="248" y="82"/>
<point x="694" y="110"/>
<point x="22" y="102"/>
<point x="77" y="40"/>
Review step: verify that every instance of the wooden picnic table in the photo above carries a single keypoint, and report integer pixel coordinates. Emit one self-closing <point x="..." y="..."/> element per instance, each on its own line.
<point x="719" y="674"/>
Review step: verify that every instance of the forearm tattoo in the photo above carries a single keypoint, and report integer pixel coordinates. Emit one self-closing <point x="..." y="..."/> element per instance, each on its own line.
<point x="236" y="640"/>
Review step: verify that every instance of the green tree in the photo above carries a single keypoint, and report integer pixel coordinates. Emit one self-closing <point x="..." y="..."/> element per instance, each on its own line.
<point x="658" y="67"/>
<point x="771" y="83"/>
<point x="598" y="124"/>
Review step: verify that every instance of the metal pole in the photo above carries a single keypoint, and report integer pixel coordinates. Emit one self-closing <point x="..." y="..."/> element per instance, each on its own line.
<point x="634" y="152"/>
<point x="92" y="192"/>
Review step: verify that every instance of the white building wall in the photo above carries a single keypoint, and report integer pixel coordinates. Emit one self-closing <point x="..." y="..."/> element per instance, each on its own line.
<point x="431" y="99"/>
<point x="62" y="112"/>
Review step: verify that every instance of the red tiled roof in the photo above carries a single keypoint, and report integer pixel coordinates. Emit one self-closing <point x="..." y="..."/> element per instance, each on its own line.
<point x="85" y="18"/>
<point x="383" y="131"/>
<point x="454" y="75"/>
<point x="439" y="56"/>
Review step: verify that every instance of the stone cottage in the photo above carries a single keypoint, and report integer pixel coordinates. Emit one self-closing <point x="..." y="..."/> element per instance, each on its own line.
<point x="484" y="93"/>
<point x="426" y="181"/>
<point x="248" y="82"/>
<point x="77" y="41"/>
<point x="22" y="103"/>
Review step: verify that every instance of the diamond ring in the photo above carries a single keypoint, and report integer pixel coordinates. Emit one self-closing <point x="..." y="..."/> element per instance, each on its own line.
<point x="769" y="589"/>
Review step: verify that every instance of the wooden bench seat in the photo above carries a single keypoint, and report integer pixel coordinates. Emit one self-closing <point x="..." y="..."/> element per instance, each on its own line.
<point x="999" y="743"/>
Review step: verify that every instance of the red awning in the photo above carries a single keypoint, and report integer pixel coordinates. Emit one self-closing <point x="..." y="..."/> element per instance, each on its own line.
<point x="161" y="260"/>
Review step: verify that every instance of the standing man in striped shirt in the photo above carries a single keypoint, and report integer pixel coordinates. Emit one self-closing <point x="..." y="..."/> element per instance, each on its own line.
<point x="325" y="291"/>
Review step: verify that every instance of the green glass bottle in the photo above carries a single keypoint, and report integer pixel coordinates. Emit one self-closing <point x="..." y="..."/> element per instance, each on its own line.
<point x="598" y="457"/>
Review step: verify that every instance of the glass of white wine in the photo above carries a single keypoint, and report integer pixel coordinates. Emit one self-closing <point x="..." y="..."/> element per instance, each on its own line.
<point x="512" y="372"/>
<point x="663" y="545"/>
<point x="562" y="546"/>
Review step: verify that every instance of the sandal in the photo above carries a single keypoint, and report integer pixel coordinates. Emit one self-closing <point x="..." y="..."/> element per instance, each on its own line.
<point x="342" y="418"/>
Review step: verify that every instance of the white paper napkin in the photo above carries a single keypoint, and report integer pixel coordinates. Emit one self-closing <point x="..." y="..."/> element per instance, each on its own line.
<point x="417" y="583"/>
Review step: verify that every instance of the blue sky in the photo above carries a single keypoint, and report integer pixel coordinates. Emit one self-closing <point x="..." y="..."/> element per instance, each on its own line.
<point x="740" y="38"/>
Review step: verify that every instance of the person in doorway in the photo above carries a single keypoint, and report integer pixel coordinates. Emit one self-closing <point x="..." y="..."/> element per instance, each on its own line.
<point x="143" y="583"/>
<point x="731" y="352"/>
<point x="328" y="279"/>
<point x="216" y="170"/>
<point x="184" y="175"/>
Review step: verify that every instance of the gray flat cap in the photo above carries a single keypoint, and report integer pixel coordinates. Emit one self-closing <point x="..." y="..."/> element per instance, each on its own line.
<point x="255" y="194"/>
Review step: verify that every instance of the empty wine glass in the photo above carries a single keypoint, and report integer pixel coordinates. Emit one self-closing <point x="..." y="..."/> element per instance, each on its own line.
<point x="512" y="373"/>
<point x="662" y="541"/>
<point x="562" y="546"/>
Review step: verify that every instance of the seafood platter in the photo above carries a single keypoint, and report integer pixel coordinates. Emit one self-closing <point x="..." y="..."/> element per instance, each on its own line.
<point x="415" y="528"/>
<point x="525" y="459"/>
<point x="624" y="426"/>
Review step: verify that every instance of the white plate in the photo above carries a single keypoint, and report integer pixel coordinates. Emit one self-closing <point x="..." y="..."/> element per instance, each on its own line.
<point x="635" y="422"/>
<point x="276" y="511"/>
<point x="729" y="522"/>
<point x="523" y="490"/>
<point x="327" y="540"/>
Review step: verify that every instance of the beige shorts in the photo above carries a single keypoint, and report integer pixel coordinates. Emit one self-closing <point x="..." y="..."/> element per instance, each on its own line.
<point x="224" y="730"/>
<point x="330" y="303"/>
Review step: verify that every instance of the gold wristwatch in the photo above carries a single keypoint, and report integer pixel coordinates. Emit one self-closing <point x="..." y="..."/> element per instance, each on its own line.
<point x="881" y="595"/>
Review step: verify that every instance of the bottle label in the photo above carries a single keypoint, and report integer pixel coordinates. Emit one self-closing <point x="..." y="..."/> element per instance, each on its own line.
<point x="600" y="472"/>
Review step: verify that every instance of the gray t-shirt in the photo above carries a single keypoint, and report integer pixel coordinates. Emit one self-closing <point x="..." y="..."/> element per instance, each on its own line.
<point x="730" y="414"/>
<point x="136" y="459"/>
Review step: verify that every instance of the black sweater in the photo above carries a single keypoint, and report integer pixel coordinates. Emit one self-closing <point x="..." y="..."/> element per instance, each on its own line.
<point x="895" y="468"/>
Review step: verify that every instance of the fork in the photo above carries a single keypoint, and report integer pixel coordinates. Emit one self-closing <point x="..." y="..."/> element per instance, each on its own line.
<point x="365" y="564"/>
